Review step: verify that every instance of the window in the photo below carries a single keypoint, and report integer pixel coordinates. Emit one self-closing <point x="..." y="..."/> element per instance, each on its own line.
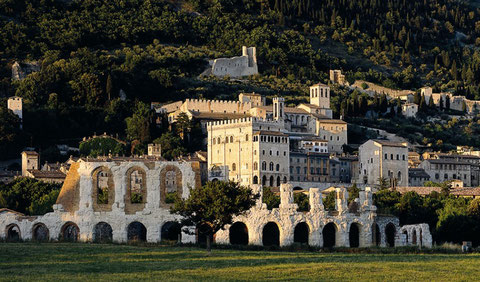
<point x="391" y="156"/>
<point x="278" y="167"/>
<point x="246" y="137"/>
<point x="398" y="157"/>
<point x="234" y="167"/>
<point x="403" y="157"/>
<point x="231" y="139"/>
<point x="214" y="141"/>
<point x="437" y="176"/>
<point x="255" y="166"/>
<point x="264" y="165"/>
<point x="271" y="166"/>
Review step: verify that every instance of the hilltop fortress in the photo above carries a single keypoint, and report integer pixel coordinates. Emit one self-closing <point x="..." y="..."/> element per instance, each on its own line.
<point x="236" y="67"/>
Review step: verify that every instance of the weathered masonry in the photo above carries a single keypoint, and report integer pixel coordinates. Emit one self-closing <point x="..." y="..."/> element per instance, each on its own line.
<point x="128" y="199"/>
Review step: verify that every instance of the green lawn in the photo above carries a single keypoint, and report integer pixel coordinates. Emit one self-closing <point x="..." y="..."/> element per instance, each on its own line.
<point x="80" y="262"/>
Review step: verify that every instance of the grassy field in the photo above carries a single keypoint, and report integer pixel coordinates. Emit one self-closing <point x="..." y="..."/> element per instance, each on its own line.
<point x="81" y="262"/>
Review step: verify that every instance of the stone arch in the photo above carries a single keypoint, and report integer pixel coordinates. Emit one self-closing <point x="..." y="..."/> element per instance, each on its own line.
<point x="201" y="233"/>
<point x="300" y="233"/>
<point x="271" y="234"/>
<point x="390" y="232"/>
<point x="13" y="233"/>
<point x="103" y="192"/>
<point x="40" y="232"/>
<point x="136" y="232"/>
<point x="255" y="179"/>
<point x="272" y="183"/>
<point x="238" y="233"/>
<point x="136" y="195"/>
<point x="406" y="236"/>
<point x="264" y="180"/>
<point x="102" y="233"/>
<point x="170" y="184"/>
<point x="376" y="235"/>
<point x="354" y="235"/>
<point x="278" y="181"/>
<point x="329" y="235"/>
<point x="171" y="231"/>
<point x="70" y="232"/>
<point x="414" y="237"/>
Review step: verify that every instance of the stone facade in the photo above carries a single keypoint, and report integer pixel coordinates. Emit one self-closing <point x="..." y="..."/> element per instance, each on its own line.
<point x="244" y="65"/>
<point x="383" y="159"/>
<point x="336" y="76"/>
<point x="15" y="104"/>
<point x="444" y="170"/>
<point x="409" y="110"/>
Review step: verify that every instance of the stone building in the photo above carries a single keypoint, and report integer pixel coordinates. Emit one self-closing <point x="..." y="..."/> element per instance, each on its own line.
<point x="30" y="161"/>
<point x="20" y="70"/>
<point x="383" y="159"/>
<point x="249" y="150"/>
<point x="336" y="76"/>
<point x="15" y="104"/>
<point x="309" y="167"/>
<point x="441" y="170"/>
<point x="409" y="110"/>
<point x="244" y="65"/>
<point x="335" y="131"/>
<point x="417" y="177"/>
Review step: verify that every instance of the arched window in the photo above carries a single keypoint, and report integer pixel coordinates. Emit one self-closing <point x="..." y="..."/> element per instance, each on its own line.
<point x="278" y="167"/>
<point x="234" y="167"/>
<point x="231" y="139"/>
<point x="246" y="137"/>
<point x="214" y="141"/>
<point x="399" y="176"/>
<point x="218" y="140"/>
<point x="271" y="166"/>
<point x="264" y="165"/>
<point x="255" y="166"/>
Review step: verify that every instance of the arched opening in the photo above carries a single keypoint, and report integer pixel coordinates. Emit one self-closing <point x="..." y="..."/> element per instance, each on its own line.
<point x="264" y="180"/>
<point x="171" y="231"/>
<point x="40" y="232"/>
<point x="390" y="235"/>
<point x="255" y="179"/>
<point x="376" y="235"/>
<point x="414" y="237"/>
<point x="136" y="232"/>
<point x="329" y="235"/>
<point x="296" y="188"/>
<point x="278" y="181"/>
<point x="300" y="234"/>
<point x="70" y="232"/>
<point x="13" y="233"/>
<point x="238" y="234"/>
<point x="354" y="235"/>
<point x="102" y="233"/>
<point x="202" y="232"/>
<point x="284" y="179"/>
<point x="271" y="234"/>
<point x="272" y="183"/>
<point x="406" y="236"/>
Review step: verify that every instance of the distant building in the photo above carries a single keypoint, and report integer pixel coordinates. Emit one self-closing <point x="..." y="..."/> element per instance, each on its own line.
<point x="309" y="167"/>
<point x="409" y="110"/>
<point x="414" y="159"/>
<point x="255" y="99"/>
<point x="441" y="170"/>
<point x="336" y="76"/>
<point x="244" y="65"/>
<point x="15" y="104"/>
<point x="30" y="160"/>
<point x="155" y="150"/>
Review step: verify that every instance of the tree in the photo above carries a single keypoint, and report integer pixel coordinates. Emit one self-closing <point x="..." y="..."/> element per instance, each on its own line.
<point x="109" y="87"/>
<point x="138" y="125"/>
<point x="29" y="196"/>
<point x="214" y="205"/>
<point x="447" y="103"/>
<point x="383" y="183"/>
<point x="171" y="145"/>
<point x="11" y="136"/>
<point x="270" y="198"/>
<point x="183" y="125"/>
<point x="386" y="201"/>
<point x="302" y="201"/>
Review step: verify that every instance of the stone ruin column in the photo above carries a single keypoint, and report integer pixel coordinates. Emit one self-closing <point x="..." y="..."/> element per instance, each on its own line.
<point x="258" y="189"/>
<point x="287" y="209"/>
<point x="341" y="203"/>
<point x="316" y="202"/>
<point x="286" y="198"/>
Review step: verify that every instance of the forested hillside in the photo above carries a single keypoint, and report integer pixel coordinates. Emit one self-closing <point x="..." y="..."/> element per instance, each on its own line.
<point x="154" y="50"/>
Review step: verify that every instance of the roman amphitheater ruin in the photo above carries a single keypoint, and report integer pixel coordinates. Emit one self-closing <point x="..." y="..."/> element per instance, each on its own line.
<point x="120" y="199"/>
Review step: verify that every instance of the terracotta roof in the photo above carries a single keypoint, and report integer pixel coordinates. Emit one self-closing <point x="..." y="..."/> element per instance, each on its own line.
<point x="422" y="191"/>
<point x="47" y="174"/>
<point x="333" y="121"/>
<point x="444" y="161"/>
<point x="390" y="143"/>
<point x="264" y="132"/>
<point x="418" y="172"/>
<point x="466" y="191"/>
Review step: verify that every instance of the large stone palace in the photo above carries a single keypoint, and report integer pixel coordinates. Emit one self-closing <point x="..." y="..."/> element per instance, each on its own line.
<point x="118" y="199"/>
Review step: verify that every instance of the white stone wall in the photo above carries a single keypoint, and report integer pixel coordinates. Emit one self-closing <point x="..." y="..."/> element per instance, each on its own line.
<point x="244" y="65"/>
<point x="417" y="235"/>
